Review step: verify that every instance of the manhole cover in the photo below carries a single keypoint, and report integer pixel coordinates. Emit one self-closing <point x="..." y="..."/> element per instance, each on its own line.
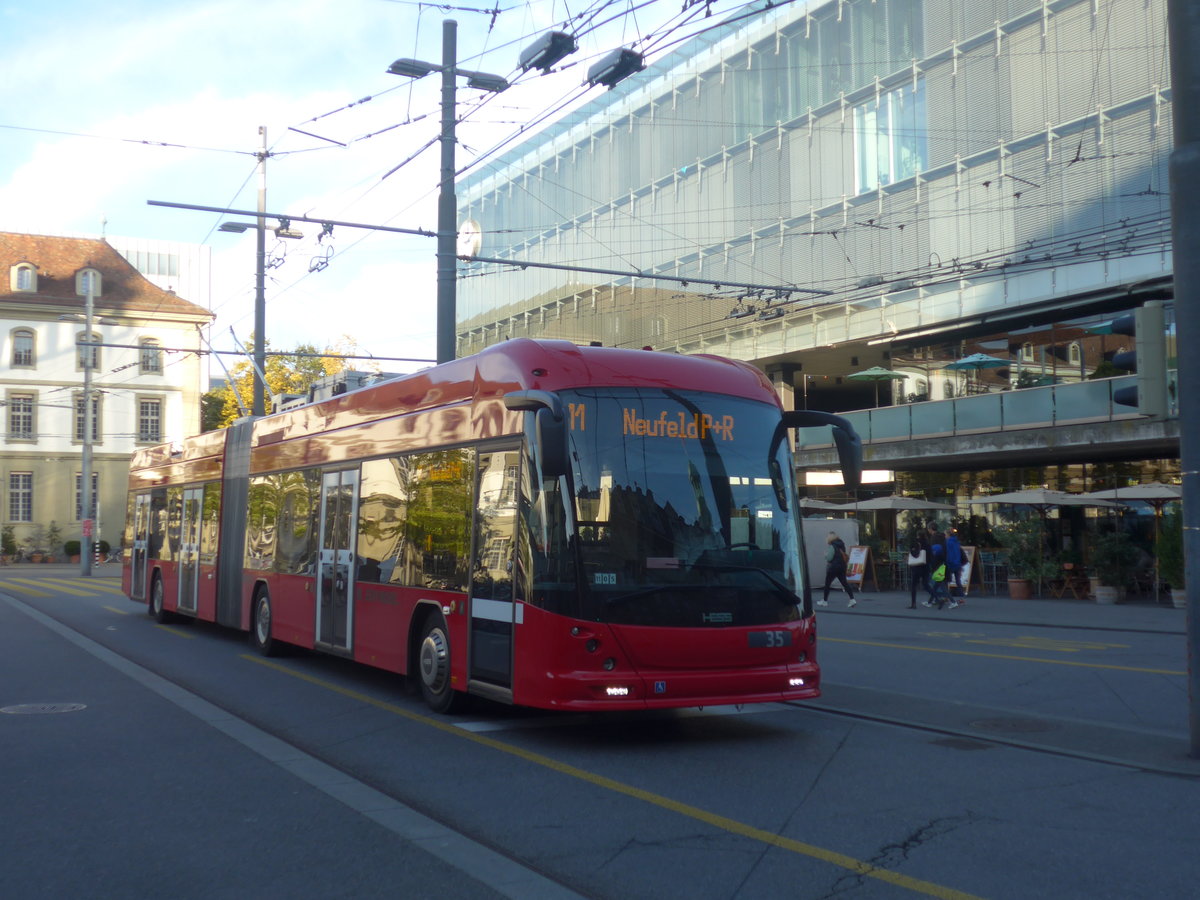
<point x="1012" y="726"/>
<point x="41" y="709"/>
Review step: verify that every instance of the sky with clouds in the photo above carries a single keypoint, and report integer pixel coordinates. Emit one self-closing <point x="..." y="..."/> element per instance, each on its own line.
<point x="109" y="105"/>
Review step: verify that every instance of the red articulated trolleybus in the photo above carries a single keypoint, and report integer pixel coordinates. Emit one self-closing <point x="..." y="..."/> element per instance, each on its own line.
<point x="565" y="527"/>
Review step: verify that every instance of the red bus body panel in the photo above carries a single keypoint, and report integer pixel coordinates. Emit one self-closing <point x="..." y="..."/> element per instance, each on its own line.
<point x="458" y="403"/>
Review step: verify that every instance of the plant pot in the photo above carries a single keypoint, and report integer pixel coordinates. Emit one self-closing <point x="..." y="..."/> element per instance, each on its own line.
<point x="1106" y="594"/>
<point x="1020" y="588"/>
<point x="74" y="557"/>
<point x="35" y="557"/>
<point x="1179" y="597"/>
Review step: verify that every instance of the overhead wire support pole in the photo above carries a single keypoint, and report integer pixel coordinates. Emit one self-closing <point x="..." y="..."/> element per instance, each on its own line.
<point x="447" y="233"/>
<point x="1183" y="33"/>
<point x="89" y="422"/>
<point x="258" y="404"/>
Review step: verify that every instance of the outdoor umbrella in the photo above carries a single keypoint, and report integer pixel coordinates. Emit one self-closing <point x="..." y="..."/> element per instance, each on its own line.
<point x="897" y="503"/>
<point x="810" y="503"/>
<point x="977" y="361"/>
<point x="875" y="374"/>
<point x="1042" y="499"/>
<point x="1157" y="495"/>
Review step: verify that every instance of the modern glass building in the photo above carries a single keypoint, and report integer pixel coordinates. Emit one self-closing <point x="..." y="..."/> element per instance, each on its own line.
<point x="846" y="184"/>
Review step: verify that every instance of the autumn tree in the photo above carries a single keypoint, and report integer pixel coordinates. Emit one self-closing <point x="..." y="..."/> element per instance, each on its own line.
<point x="292" y="372"/>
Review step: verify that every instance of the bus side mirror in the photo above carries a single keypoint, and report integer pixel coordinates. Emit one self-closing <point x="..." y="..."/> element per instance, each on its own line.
<point x="549" y="428"/>
<point x="845" y="438"/>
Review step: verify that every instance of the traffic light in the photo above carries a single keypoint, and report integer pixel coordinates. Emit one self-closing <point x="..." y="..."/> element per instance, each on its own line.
<point x="1147" y="326"/>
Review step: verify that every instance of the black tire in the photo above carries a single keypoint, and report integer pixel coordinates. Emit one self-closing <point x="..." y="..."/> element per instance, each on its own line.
<point x="433" y="667"/>
<point x="261" y="638"/>
<point x="155" y="606"/>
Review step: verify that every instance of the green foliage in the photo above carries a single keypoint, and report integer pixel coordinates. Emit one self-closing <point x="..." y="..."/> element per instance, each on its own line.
<point x="1114" y="559"/>
<point x="71" y="548"/>
<point x="8" y="542"/>
<point x="288" y="373"/>
<point x="1024" y="543"/>
<point x="1170" y="549"/>
<point x="53" y="538"/>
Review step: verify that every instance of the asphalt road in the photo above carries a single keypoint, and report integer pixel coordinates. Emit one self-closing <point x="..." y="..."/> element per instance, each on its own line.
<point x="998" y="750"/>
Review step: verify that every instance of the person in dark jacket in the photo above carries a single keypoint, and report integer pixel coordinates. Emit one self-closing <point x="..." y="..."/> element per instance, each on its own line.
<point x="954" y="564"/>
<point x="835" y="568"/>
<point x="936" y="557"/>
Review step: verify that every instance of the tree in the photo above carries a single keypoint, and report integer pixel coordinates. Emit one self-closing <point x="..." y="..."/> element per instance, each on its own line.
<point x="287" y="373"/>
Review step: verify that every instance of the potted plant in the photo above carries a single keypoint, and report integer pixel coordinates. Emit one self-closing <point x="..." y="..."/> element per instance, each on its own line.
<point x="1114" y="560"/>
<point x="53" y="542"/>
<point x="1170" y="556"/>
<point x="35" y="543"/>
<point x="71" y="548"/>
<point x="1025" y="557"/>
<point x="8" y="544"/>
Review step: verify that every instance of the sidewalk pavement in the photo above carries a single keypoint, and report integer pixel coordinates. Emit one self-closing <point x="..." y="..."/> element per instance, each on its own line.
<point x="1000" y="609"/>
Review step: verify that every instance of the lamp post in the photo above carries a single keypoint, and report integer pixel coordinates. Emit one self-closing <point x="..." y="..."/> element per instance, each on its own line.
<point x="447" y="344"/>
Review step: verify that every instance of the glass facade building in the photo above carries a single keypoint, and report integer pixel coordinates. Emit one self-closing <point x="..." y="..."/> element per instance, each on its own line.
<point x="899" y="183"/>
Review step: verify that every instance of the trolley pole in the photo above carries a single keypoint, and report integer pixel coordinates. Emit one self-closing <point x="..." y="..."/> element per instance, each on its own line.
<point x="1183" y="34"/>
<point x="259" y="404"/>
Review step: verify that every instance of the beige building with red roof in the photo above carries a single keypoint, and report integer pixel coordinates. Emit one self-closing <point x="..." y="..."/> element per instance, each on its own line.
<point x="147" y="380"/>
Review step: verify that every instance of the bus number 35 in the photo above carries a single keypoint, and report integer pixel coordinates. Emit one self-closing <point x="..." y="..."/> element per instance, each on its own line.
<point x="770" y="639"/>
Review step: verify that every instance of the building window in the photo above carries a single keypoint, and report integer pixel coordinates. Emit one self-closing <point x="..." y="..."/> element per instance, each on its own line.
<point x="149" y="420"/>
<point x="20" y="496"/>
<point x="79" y="416"/>
<point x="889" y="137"/>
<point x="85" y="278"/>
<point x="1027" y="352"/>
<point x="20" y="417"/>
<point x="1074" y="354"/>
<point x="22" y="349"/>
<point x="150" y="359"/>
<point x="83" y="347"/>
<point x="79" y="517"/>
<point x="23" y="278"/>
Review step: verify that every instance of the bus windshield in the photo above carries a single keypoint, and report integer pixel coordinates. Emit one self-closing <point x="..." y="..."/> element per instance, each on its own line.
<point x="682" y="510"/>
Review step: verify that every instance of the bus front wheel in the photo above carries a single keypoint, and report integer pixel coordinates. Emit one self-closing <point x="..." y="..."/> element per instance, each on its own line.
<point x="260" y="626"/>
<point x="433" y="663"/>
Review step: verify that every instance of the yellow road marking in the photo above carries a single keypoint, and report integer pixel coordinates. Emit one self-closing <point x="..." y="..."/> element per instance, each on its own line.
<point x="175" y="631"/>
<point x="82" y="582"/>
<point x="58" y="587"/>
<point x="724" y="823"/>
<point x="1032" y="642"/>
<point x="119" y="612"/>
<point x="20" y="587"/>
<point x="1051" y="662"/>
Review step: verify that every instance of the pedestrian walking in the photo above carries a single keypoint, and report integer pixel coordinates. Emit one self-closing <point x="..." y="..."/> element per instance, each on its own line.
<point x="918" y="570"/>
<point x="835" y="568"/>
<point x="954" y="564"/>
<point x="937" y="567"/>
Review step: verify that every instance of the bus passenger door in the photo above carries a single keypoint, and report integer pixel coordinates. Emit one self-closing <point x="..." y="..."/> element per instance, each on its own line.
<point x="189" y="549"/>
<point x="335" y="619"/>
<point x="141" y="539"/>
<point x="494" y="608"/>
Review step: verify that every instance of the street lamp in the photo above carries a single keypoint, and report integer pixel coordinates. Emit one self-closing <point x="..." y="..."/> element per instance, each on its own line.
<point x="447" y="232"/>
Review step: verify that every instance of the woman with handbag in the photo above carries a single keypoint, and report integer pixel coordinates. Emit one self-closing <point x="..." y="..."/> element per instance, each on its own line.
<point x="918" y="570"/>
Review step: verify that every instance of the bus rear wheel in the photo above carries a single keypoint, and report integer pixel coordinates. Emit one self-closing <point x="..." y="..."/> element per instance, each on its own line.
<point x="260" y="626"/>
<point x="156" y="606"/>
<point x="433" y="665"/>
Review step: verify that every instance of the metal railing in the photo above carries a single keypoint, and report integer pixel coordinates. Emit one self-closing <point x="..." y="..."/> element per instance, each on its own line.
<point x="1039" y="407"/>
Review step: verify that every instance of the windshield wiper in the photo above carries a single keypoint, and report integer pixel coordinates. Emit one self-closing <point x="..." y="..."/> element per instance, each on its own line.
<point x="787" y="595"/>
